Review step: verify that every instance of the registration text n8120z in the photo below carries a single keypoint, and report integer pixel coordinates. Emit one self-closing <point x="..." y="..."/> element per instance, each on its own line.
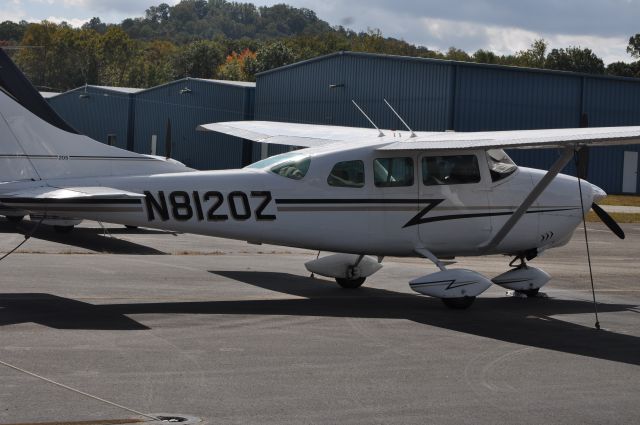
<point x="182" y="205"/>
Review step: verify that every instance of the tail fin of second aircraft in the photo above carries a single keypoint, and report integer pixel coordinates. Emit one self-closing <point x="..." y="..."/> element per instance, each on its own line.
<point x="36" y="144"/>
<point x="33" y="149"/>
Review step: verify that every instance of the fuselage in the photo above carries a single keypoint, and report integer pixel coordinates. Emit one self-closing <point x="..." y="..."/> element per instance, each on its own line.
<point x="355" y="200"/>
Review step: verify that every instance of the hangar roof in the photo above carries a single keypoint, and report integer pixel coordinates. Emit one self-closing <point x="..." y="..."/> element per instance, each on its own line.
<point x="242" y="84"/>
<point x="442" y="61"/>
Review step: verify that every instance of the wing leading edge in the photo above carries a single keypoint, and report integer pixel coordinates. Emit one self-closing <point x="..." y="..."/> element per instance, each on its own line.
<point x="521" y="139"/>
<point x="281" y="133"/>
<point x="311" y="135"/>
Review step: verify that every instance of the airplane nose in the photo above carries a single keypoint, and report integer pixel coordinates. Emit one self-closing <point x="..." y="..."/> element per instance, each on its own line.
<point x="598" y="194"/>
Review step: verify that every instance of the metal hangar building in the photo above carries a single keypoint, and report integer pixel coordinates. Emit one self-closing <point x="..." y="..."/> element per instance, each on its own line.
<point x="136" y="119"/>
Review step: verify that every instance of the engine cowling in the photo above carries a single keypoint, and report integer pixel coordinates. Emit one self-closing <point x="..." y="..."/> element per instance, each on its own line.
<point x="342" y="266"/>
<point x="522" y="279"/>
<point x="453" y="283"/>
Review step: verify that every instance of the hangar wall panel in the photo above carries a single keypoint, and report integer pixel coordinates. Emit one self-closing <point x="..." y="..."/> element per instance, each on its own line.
<point x="510" y="99"/>
<point x="205" y="101"/>
<point x="96" y="112"/>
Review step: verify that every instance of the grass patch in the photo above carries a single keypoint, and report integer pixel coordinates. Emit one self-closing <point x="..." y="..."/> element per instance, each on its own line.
<point x="623" y="200"/>
<point x="619" y="217"/>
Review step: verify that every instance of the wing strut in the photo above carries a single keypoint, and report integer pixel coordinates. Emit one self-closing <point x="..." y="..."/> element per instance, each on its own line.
<point x="567" y="154"/>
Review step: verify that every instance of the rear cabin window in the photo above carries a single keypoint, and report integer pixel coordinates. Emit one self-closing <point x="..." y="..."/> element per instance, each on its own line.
<point x="347" y="174"/>
<point x="450" y="169"/>
<point x="393" y="172"/>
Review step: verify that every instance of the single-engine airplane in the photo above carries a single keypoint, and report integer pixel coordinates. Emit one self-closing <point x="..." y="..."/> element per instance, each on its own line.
<point x="357" y="192"/>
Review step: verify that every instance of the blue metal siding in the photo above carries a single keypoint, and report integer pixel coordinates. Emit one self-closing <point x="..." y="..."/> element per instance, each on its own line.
<point x="488" y="99"/>
<point x="207" y="102"/>
<point x="96" y="114"/>
<point x="304" y="94"/>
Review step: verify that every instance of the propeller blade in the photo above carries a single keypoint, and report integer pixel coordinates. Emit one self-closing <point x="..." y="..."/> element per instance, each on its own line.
<point x="608" y="220"/>
<point x="167" y="141"/>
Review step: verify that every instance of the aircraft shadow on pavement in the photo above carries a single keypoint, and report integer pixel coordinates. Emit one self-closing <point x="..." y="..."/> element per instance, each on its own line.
<point x="527" y="322"/>
<point x="61" y="313"/>
<point x="84" y="237"/>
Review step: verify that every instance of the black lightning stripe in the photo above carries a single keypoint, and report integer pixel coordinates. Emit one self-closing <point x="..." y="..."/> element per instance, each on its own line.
<point x="420" y="219"/>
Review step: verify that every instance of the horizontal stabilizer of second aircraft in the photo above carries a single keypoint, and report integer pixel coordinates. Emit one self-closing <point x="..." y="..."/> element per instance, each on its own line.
<point x="72" y="199"/>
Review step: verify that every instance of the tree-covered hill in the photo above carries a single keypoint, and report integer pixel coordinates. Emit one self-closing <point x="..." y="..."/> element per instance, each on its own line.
<point x="232" y="40"/>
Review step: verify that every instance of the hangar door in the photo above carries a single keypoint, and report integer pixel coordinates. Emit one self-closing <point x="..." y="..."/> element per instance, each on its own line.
<point x="630" y="172"/>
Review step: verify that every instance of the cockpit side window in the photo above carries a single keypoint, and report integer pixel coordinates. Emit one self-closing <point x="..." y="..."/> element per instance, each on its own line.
<point x="450" y="169"/>
<point x="294" y="169"/>
<point x="500" y="165"/>
<point x="393" y="172"/>
<point x="347" y="174"/>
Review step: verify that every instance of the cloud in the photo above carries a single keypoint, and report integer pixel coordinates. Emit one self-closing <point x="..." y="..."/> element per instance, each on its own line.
<point x="502" y="26"/>
<point x="73" y="21"/>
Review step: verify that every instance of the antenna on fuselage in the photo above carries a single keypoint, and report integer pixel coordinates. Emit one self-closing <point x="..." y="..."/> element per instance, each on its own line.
<point x="380" y="133"/>
<point x="399" y="117"/>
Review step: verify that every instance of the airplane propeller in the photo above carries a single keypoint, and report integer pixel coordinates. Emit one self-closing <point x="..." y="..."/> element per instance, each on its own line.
<point x="608" y="220"/>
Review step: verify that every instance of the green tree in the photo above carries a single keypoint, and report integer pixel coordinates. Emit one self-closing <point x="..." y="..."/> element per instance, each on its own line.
<point x="456" y="54"/>
<point x="117" y="52"/>
<point x="535" y="56"/>
<point x="485" y="56"/>
<point x="95" y="24"/>
<point x="74" y="60"/>
<point x="575" y="59"/>
<point x="35" y="61"/>
<point x="273" y="55"/>
<point x="623" y="69"/>
<point x="10" y="31"/>
<point x="199" y="59"/>
<point x="634" y="46"/>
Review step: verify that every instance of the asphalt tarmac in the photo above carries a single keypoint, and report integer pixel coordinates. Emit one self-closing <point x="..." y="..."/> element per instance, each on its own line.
<point x="233" y="333"/>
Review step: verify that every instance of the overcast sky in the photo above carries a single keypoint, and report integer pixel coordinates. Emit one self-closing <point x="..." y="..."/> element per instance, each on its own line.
<point x="502" y="26"/>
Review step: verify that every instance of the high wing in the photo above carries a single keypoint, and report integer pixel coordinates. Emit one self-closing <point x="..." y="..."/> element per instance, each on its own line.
<point x="71" y="199"/>
<point x="306" y="135"/>
<point x="313" y="135"/>
<point x="523" y="139"/>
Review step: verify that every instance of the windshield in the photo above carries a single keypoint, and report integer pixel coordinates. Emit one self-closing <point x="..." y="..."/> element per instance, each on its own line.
<point x="291" y="165"/>
<point x="500" y="165"/>
<point x="272" y="160"/>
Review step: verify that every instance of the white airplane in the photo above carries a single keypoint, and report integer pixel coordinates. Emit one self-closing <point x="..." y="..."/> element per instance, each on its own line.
<point x="356" y="192"/>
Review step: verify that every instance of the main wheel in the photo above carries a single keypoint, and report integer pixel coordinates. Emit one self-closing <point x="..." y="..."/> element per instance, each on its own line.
<point x="458" y="303"/>
<point x="63" y="229"/>
<point x="350" y="283"/>
<point x="530" y="292"/>
<point x="15" y="218"/>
